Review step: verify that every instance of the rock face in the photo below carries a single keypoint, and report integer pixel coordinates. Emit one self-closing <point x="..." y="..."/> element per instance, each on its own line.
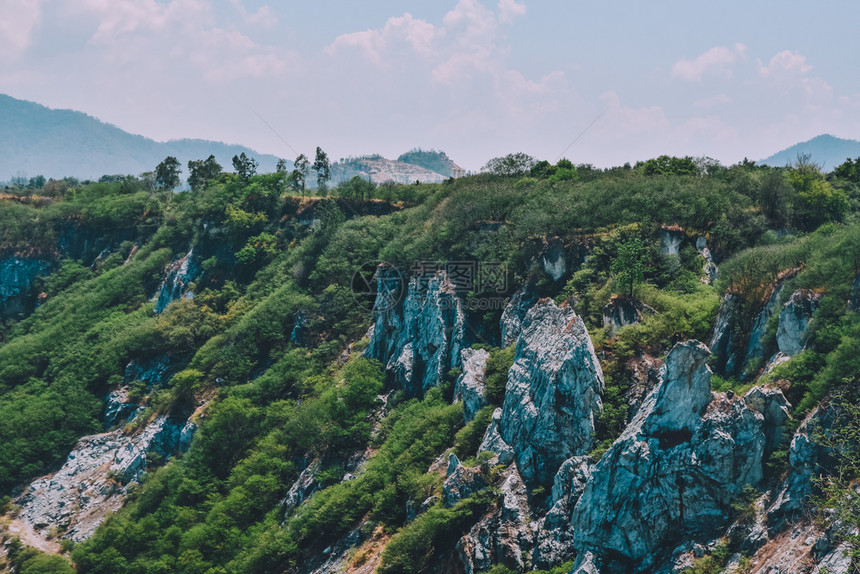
<point x="514" y="313"/>
<point x="503" y="537"/>
<point x="723" y="339"/>
<point x="555" y="537"/>
<point x="493" y="441"/>
<point x="420" y="340"/>
<point x="554" y="259"/>
<point x="621" y="311"/>
<point x="794" y="321"/>
<point x="709" y="269"/>
<point x="670" y="240"/>
<point x="119" y="409"/>
<point x="553" y="392"/>
<point x="177" y="277"/>
<point x="755" y="347"/>
<point x="804" y="456"/>
<point x="461" y="482"/>
<point x="17" y="275"/>
<point x="92" y="483"/>
<point x="673" y="471"/>
<point x="469" y="387"/>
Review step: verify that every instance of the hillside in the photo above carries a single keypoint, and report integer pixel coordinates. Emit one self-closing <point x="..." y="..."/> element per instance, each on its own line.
<point x="570" y="370"/>
<point x="58" y="143"/>
<point x="826" y="150"/>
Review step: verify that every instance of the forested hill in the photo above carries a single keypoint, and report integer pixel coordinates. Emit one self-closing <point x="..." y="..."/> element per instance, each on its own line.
<point x="37" y="140"/>
<point x="546" y="368"/>
<point x="826" y="150"/>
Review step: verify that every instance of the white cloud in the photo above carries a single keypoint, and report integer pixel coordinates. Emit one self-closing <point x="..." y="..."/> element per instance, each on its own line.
<point x="510" y="9"/>
<point x="263" y="16"/>
<point x="715" y="60"/>
<point x="18" y="21"/>
<point x="785" y="63"/>
<point x="419" y="34"/>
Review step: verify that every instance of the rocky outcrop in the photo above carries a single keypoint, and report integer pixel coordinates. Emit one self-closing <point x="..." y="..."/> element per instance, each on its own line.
<point x="419" y="340"/>
<point x="119" y="408"/>
<point x="553" y="392"/>
<point x="794" y="321"/>
<point x="554" y="259"/>
<point x="178" y="276"/>
<point x="302" y="488"/>
<point x="515" y="311"/>
<point x="97" y="474"/>
<point x="493" y="441"/>
<point x="621" y="311"/>
<point x="804" y="458"/>
<point x="504" y="536"/>
<point x="755" y="344"/>
<point x="775" y="409"/>
<point x="671" y="237"/>
<point x="17" y="276"/>
<point x="461" y="482"/>
<point x="644" y="377"/>
<point x="555" y="536"/>
<point x="709" y="269"/>
<point x="674" y="470"/>
<point x="469" y="387"/>
<point x="723" y="340"/>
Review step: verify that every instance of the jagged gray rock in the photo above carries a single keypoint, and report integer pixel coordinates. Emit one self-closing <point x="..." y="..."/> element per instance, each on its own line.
<point x="620" y="312"/>
<point x="775" y="409"/>
<point x="504" y="536"/>
<point x="462" y="482"/>
<point x="553" y="392"/>
<point x="794" y="321"/>
<point x="674" y="469"/>
<point x="804" y="456"/>
<point x="671" y="238"/>
<point x="554" y="536"/>
<point x="469" y="387"/>
<point x="302" y="488"/>
<point x="514" y="313"/>
<point x="493" y="441"/>
<point x="93" y="482"/>
<point x="755" y="343"/>
<point x="723" y="340"/>
<point x="17" y="275"/>
<point x="119" y="409"/>
<point x="709" y="269"/>
<point x="175" y="285"/>
<point x="554" y="259"/>
<point x="420" y="340"/>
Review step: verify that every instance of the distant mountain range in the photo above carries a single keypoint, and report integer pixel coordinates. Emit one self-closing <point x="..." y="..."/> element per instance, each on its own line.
<point x="36" y="140"/>
<point x="826" y="150"/>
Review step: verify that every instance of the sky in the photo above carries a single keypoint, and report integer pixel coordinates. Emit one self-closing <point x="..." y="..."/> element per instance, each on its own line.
<point x="597" y="82"/>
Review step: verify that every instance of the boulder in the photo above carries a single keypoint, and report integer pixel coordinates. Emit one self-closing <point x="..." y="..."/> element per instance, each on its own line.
<point x="469" y="387"/>
<point x="552" y="394"/>
<point x="462" y="482"/>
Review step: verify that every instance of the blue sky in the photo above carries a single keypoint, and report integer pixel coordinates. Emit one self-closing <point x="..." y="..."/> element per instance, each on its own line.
<point x="475" y="78"/>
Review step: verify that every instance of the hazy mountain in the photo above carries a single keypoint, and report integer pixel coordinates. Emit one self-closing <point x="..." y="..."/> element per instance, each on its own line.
<point x="827" y="150"/>
<point x="36" y="140"/>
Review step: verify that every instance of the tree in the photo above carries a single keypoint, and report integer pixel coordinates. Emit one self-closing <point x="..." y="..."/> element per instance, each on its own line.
<point x="512" y="164"/>
<point x="167" y="173"/>
<point x="356" y="188"/>
<point x="323" y="169"/>
<point x="816" y="201"/>
<point x="37" y="182"/>
<point x="849" y="170"/>
<point x="245" y="166"/>
<point x="299" y="174"/>
<point x="201" y="171"/>
<point x="666" y="165"/>
<point x="629" y="265"/>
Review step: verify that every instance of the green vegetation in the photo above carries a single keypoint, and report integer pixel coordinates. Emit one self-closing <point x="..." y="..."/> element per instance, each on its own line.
<point x="265" y="339"/>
